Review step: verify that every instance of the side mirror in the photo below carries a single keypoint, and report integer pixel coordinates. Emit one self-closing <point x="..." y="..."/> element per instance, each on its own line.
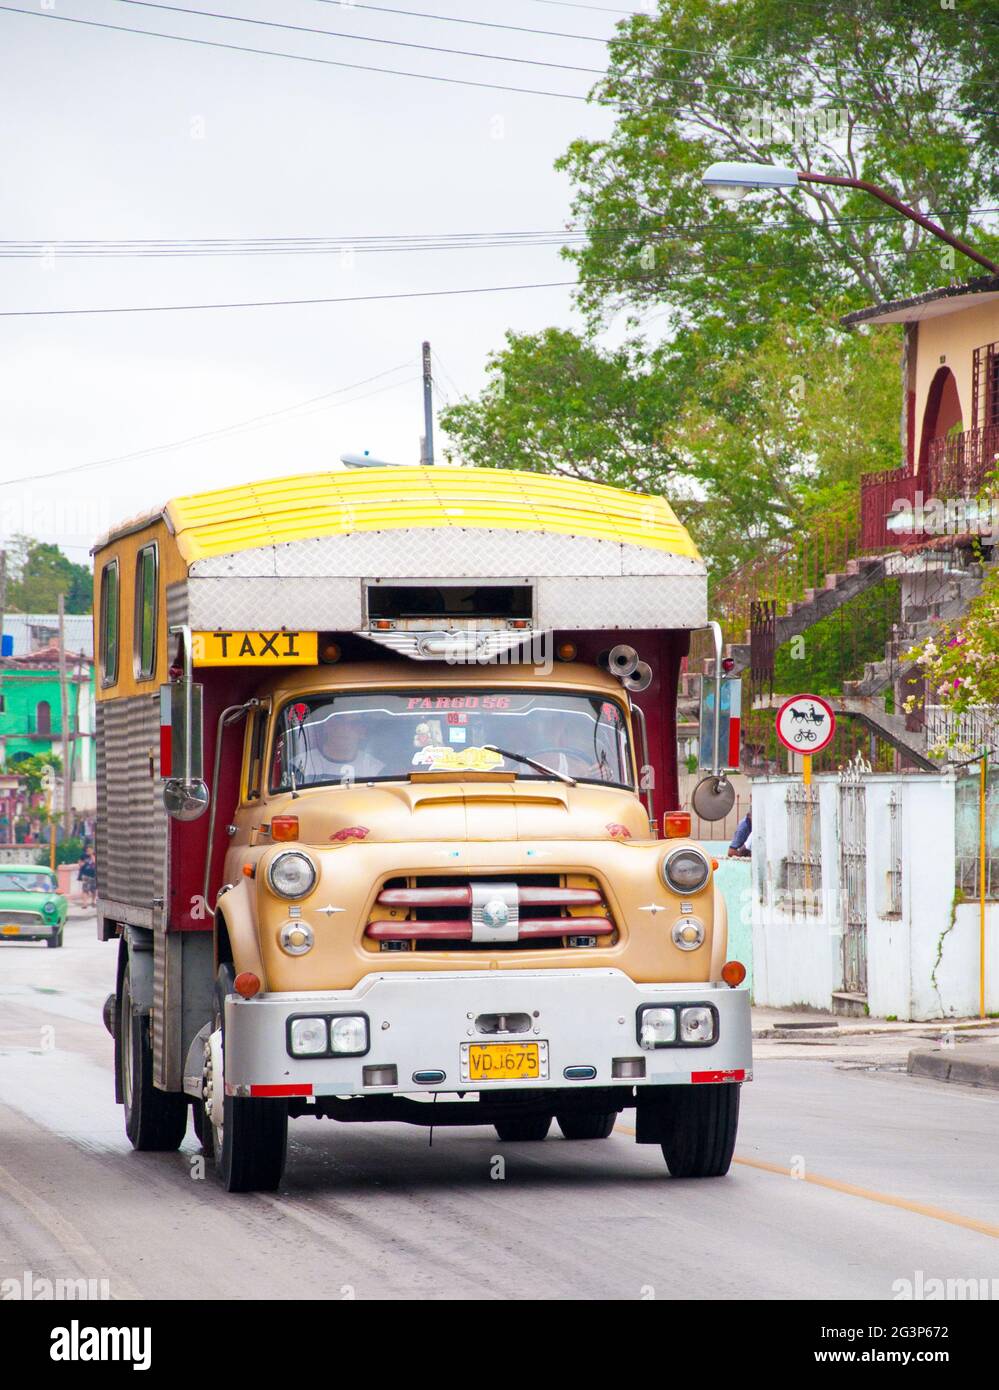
<point x="185" y="792"/>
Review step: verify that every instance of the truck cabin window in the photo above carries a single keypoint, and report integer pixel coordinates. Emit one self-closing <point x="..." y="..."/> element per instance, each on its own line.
<point x="321" y="740"/>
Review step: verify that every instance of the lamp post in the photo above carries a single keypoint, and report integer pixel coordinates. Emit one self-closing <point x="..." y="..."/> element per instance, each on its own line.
<point x="732" y="181"/>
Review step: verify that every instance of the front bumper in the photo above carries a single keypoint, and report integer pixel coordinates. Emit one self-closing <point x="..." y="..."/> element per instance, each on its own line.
<point x="418" y="1023"/>
<point x="35" y="930"/>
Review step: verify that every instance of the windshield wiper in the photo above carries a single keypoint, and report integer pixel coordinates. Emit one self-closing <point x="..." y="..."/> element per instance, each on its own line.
<point x="531" y="762"/>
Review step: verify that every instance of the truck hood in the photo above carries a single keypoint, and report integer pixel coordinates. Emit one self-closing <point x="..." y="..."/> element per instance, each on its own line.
<point x="519" y="810"/>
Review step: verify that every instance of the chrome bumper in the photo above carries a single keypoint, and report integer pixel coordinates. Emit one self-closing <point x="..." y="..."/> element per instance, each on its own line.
<point x="422" y="1023"/>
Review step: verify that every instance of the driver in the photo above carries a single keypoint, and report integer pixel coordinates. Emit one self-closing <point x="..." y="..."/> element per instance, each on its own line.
<point x="559" y="740"/>
<point x="338" y="749"/>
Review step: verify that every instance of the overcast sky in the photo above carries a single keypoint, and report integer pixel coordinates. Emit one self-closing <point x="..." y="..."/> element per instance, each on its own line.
<point x="110" y="135"/>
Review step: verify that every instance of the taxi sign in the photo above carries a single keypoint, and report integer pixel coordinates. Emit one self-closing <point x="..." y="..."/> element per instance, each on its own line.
<point x="255" y="648"/>
<point x="805" y="723"/>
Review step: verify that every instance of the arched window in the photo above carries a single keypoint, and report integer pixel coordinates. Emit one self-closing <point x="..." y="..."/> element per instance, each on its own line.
<point x="43" y="717"/>
<point x="942" y="413"/>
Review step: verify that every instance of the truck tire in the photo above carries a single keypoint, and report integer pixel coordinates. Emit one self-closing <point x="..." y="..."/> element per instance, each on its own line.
<point x="252" y="1142"/>
<point x="702" y="1124"/>
<point x="524" y="1129"/>
<point x="593" y="1125"/>
<point x="154" y="1120"/>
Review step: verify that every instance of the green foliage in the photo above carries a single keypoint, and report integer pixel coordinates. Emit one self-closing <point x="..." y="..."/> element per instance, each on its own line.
<point x="70" y="851"/>
<point x="835" y="649"/>
<point x="40" y="573"/>
<point x="960" y="662"/>
<point x="32" y="769"/>
<point x="891" y="92"/>
<point x="736" y="392"/>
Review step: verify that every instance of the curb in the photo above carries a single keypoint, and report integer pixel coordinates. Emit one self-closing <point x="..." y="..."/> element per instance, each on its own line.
<point x="970" y="1066"/>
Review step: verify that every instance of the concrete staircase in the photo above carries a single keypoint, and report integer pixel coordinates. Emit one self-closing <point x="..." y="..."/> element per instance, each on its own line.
<point x="919" y="620"/>
<point x="816" y="604"/>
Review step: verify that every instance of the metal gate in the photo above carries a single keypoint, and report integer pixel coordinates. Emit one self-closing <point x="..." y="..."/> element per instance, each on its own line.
<point x="853" y="874"/>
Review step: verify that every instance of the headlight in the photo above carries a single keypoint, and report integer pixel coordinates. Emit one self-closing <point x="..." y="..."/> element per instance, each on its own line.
<point x="658" y="1027"/>
<point x="292" y="874"/>
<point x="688" y="933"/>
<point x="50" y="909"/>
<point x="697" y="1025"/>
<point x="296" y="938"/>
<point x="308" y="1037"/>
<point x="685" y="870"/>
<point x="349" y="1035"/>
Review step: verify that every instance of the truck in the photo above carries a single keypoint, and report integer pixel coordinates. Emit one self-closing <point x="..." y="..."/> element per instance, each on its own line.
<point x="388" y="823"/>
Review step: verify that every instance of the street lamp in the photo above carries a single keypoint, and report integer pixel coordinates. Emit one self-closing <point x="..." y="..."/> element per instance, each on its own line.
<point x="733" y="181"/>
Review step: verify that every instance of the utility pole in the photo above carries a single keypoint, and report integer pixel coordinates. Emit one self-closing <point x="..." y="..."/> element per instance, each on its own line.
<point x="428" y="408"/>
<point x="67" y="736"/>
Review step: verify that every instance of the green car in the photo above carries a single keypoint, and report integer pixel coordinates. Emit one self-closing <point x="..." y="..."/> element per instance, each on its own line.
<point x="31" y="906"/>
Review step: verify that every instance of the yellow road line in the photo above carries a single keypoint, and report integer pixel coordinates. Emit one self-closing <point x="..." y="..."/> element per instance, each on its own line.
<point x="952" y="1218"/>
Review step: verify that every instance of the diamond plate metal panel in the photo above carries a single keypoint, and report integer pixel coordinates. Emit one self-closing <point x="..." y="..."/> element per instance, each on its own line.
<point x="131" y="838"/>
<point x="269" y="603"/>
<point x="641" y="601"/>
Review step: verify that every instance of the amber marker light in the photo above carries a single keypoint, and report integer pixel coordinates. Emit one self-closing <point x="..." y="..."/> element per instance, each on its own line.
<point x="676" y="825"/>
<point x="249" y="871"/>
<point x="284" y="827"/>
<point x="733" y="972"/>
<point x="566" y="651"/>
<point x="247" y="984"/>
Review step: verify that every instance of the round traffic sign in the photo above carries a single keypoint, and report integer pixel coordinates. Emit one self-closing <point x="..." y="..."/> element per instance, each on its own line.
<point x="805" y="723"/>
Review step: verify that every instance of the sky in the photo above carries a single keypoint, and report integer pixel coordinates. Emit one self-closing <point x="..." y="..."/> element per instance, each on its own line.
<point x="120" y="137"/>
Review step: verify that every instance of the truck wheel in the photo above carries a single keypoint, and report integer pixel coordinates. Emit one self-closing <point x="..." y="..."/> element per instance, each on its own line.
<point x="586" y="1126"/>
<point x="55" y="940"/>
<point x="154" y="1120"/>
<point x="251" y="1142"/>
<point x="702" y="1125"/>
<point x="522" y="1129"/>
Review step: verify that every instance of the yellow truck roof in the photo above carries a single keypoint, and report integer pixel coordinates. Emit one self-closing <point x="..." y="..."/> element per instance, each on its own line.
<point x="279" y="510"/>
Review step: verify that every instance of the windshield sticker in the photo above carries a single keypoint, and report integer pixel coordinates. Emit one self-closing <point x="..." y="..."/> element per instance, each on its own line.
<point x="457" y="760"/>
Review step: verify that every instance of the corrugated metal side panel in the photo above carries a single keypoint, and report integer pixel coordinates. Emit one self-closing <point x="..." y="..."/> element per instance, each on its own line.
<point x="168" y="1064"/>
<point x="132" y="825"/>
<point x="176" y="604"/>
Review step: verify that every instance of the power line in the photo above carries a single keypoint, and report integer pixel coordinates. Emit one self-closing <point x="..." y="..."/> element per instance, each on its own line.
<point x="238" y="427"/>
<point x="277" y="303"/>
<point x="356" y="38"/>
<point x="398" y="243"/>
<point x="294" y="57"/>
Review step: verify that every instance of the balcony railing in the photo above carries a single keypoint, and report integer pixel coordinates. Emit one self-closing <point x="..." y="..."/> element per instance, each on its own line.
<point x="958" y="470"/>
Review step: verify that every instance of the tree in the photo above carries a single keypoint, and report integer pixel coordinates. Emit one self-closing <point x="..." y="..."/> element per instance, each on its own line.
<point x="882" y="90"/>
<point x="776" y="440"/>
<point x="41" y="572"/>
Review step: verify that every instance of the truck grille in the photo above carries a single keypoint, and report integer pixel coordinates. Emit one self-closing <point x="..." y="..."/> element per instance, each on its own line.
<point x="509" y="912"/>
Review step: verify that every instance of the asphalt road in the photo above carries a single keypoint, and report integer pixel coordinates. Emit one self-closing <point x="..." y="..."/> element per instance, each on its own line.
<point x="895" y="1180"/>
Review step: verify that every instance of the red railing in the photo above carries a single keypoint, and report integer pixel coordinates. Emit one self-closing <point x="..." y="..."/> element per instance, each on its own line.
<point x="882" y="496"/>
<point x="958" y="470"/>
<point x="784" y="570"/>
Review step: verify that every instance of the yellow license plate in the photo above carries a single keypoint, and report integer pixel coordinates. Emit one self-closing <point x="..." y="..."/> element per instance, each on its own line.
<point x="504" y="1061"/>
<point x="9" y="930"/>
<point x="224" y="648"/>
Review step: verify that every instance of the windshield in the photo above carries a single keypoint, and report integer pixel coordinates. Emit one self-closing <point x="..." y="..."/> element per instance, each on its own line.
<point x="27" y="882"/>
<point x="323" y="739"/>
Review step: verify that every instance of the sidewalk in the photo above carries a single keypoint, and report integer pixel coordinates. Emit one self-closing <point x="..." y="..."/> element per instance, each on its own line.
<point x="975" y="1065"/>
<point x="810" y="1034"/>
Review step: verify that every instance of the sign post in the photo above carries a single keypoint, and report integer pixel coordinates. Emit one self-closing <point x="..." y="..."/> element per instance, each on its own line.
<point x="805" y="725"/>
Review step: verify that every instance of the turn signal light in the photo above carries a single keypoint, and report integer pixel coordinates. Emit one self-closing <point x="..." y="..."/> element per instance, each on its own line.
<point x="676" y="825"/>
<point x="284" y="827"/>
<point x="566" y="651"/>
<point x="733" y="973"/>
<point x="246" y="984"/>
